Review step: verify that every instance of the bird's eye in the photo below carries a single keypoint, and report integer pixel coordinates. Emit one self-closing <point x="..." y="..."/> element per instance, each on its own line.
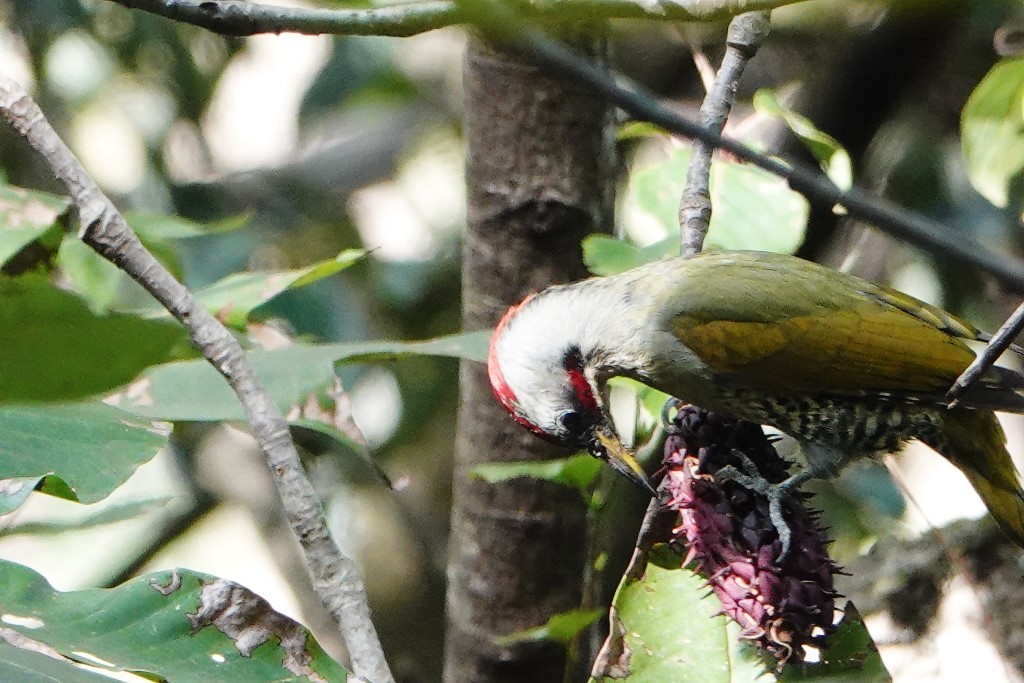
<point x="570" y="421"/>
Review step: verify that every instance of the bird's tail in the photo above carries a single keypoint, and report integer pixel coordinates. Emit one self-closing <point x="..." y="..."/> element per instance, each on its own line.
<point x="975" y="443"/>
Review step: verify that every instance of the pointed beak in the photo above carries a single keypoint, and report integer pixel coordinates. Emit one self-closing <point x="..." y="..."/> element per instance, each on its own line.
<point x="607" y="446"/>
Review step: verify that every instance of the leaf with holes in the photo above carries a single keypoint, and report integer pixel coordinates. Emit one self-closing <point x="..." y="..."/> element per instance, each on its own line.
<point x="175" y="625"/>
<point x="666" y="626"/>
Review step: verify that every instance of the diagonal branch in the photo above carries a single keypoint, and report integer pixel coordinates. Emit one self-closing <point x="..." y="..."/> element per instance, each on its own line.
<point x="999" y="342"/>
<point x="336" y="578"/>
<point x="238" y="18"/>
<point x="746" y="33"/>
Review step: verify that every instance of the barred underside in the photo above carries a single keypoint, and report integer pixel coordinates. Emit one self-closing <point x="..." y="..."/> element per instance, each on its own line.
<point x="854" y="426"/>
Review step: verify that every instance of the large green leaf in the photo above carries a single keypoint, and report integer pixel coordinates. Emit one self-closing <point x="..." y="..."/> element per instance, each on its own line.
<point x="234" y="298"/>
<point x="26" y="216"/>
<point x="182" y="626"/>
<point x="55" y="348"/>
<point x="992" y="131"/>
<point x="752" y="208"/>
<point x="76" y="451"/>
<point x="669" y="631"/>
<point x="193" y="391"/>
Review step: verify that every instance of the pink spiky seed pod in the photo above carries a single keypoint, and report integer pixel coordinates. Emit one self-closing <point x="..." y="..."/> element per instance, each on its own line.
<point x="732" y="541"/>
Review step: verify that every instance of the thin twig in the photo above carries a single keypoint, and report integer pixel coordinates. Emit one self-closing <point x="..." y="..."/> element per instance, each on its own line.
<point x="505" y="28"/>
<point x="745" y="35"/>
<point x="1000" y="341"/>
<point x="336" y="578"/>
<point x="242" y="18"/>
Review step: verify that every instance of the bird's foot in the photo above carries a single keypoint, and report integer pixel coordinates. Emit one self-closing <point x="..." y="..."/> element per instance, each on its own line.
<point x="776" y="494"/>
<point x="667" y="418"/>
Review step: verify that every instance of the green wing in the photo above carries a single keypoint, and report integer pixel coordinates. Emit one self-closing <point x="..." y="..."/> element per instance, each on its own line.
<point x="780" y="323"/>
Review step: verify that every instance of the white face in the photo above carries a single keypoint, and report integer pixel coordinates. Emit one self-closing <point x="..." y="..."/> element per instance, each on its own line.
<point x="538" y="372"/>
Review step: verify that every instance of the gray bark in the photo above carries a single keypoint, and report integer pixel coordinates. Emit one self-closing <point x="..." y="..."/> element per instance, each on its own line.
<point x="539" y="166"/>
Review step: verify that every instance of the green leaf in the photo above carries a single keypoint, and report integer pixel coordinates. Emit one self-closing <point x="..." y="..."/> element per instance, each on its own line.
<point x="752" y="208"/>
<point x="657" y="189"/>
<point x="851" y="656"/>
<point x="105" y="286"/>
<point x="354" y="448"/>
<point x="636" y="130"/>
<point x="992" y="131"/>
<point x="605" y="255"/>
<point x="667" y="623"/>
<point x="76" y="451"/>
<point x="194" y="391"/>
<point x="14" y="491"/>
<point x="331" y="432"/>
<point x="26" y="664"/>
<point x="153" y="226"/>
<point x="234" y="298"/>
<point x="182" y="626"/>
<point x="832" y="156"/>
<point x="26" y="216"/>
<point x="55" y="348"/>
<point x="110" y="514"/>
<point x="579" y="471"/>
<point x="561" y="628"/>
<point x="95" y="278"/>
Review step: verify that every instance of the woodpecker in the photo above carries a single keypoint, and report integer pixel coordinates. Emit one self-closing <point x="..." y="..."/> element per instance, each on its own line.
<point x="847" y="367"/>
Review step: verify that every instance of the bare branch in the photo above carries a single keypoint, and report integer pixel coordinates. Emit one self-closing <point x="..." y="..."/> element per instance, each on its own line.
<point x="240" y="18"/>
<point x="336" y="578"/>
<point x="746" y="33"/>
<point x="1000" y="341"/>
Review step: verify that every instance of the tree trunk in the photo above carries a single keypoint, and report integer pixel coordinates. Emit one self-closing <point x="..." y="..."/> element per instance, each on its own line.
<point x="538" y="170"/>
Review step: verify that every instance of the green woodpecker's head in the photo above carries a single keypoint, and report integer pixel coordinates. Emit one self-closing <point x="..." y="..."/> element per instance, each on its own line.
<point x="538" y="368"/>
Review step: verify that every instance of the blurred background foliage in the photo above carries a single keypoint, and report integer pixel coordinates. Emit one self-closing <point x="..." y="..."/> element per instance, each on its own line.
<point x="279" y="152"/>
